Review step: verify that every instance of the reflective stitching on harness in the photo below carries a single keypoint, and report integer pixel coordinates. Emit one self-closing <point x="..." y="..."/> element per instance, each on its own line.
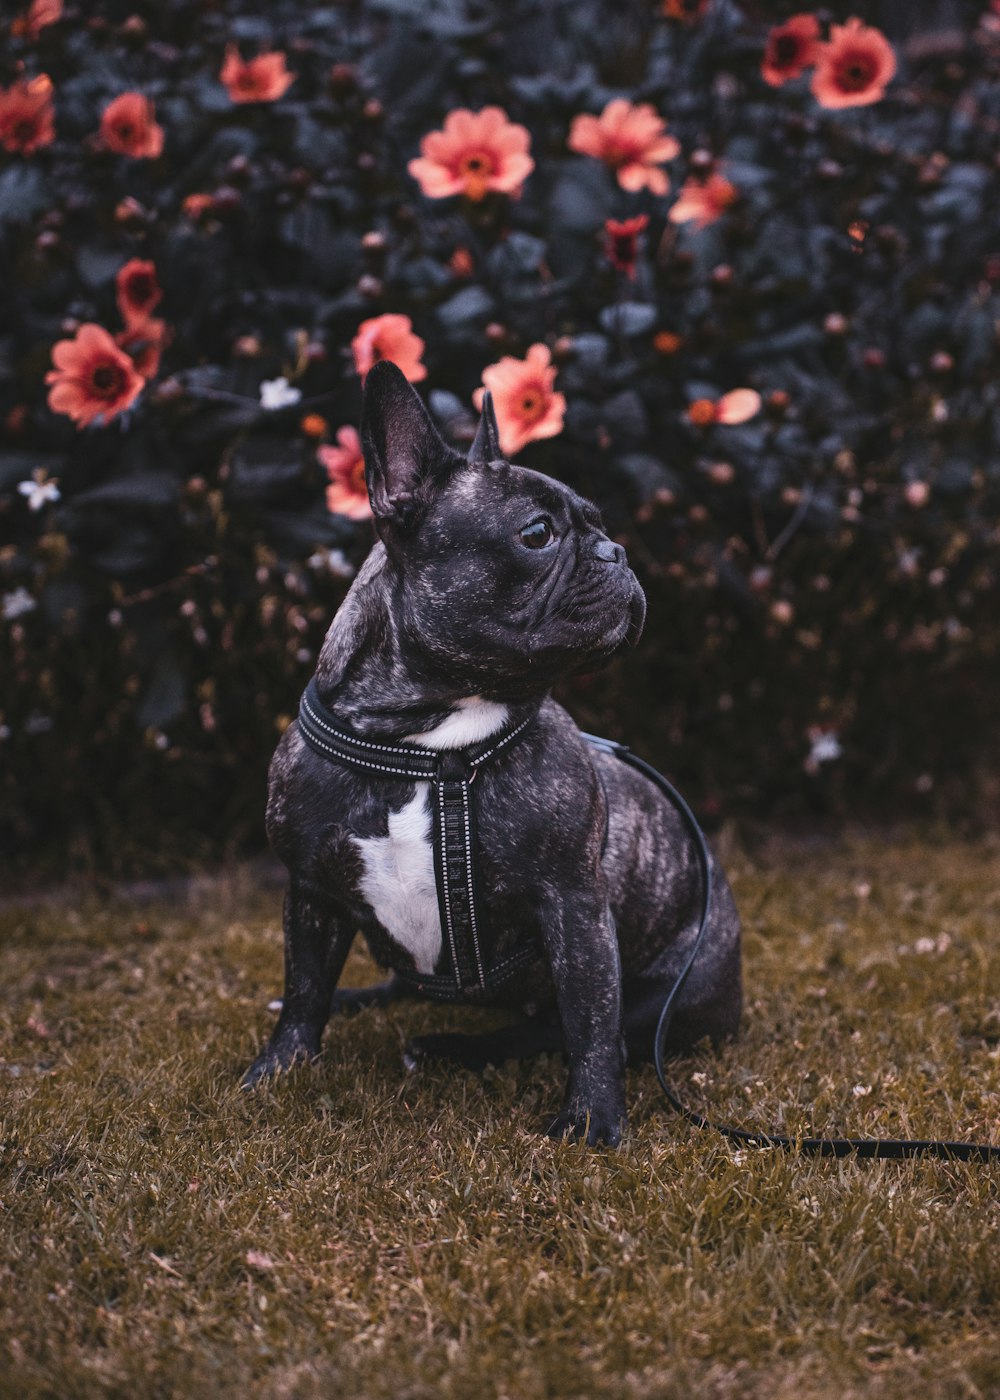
<point x="416" y="754"/>
<point x="446" y="891"/>
<point x="468" y="881"/>
<point x="481" y="758"/>
<point x="329" y="749"/>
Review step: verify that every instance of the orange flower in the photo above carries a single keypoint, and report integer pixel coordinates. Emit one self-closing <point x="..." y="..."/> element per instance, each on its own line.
<point x="632" y="140"/>
<point x="313" y="425"/>
<point x="128" y="127"/>
<point x="137" y="291"/>
<point x="526" y="404"/>
<point x="389" y="337"/>
<point x="93" y="378"/>
<point x="27" y="115"/>
<point x="737" y="406"/>
<point x="347" y="493"/>
<point x="261" y="79"/>
<point x="41" y="13"/>
<point x="852" y="70"/>
<point x="143" y="341"/>
<point x="475" y="153"/>
<point x="703" y="201"/>
<point x="792" y="47"/>
<point x="667" y="342"/>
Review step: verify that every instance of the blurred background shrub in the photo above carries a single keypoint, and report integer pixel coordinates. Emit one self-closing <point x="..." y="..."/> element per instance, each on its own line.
<point x="822" y="575"/>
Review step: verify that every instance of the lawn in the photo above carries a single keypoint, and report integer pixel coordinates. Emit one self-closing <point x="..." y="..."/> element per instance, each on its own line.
<point x="353" y="1230"/>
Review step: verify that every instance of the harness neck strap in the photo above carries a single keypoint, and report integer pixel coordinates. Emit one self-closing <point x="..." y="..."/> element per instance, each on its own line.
<point x="326" y="734"/>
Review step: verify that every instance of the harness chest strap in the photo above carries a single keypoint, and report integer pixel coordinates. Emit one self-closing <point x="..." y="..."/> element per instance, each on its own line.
<point x="451" y="775"/>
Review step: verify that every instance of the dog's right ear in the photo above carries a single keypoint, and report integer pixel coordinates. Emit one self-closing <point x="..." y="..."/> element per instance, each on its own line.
<point x="405" y="457"/>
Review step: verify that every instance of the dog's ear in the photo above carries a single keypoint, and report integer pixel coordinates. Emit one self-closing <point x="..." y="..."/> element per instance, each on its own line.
<point x="486" y="445"/>
<point x="405" y="458"/>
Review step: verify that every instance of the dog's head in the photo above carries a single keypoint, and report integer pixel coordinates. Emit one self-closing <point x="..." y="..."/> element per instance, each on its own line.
<point x="503" y="578"/>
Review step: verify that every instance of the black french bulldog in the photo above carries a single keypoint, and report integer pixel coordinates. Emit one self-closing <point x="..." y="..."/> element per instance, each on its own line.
<point x="488" y="583"/>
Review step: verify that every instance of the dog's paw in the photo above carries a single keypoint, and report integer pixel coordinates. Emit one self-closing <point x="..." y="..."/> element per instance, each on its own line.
<point x="275" y="1059"/>
<point x="593" y="1126"/>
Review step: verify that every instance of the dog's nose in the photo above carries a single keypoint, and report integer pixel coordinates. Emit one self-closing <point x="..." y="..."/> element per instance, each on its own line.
<point x="610" y="552"/>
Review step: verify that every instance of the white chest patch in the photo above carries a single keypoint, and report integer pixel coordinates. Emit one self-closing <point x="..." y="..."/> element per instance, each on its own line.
<point x="472" y="721"/>
<point x="398" y="880"/>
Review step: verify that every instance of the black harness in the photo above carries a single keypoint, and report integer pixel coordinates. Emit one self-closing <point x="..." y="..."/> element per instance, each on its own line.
<point x="465" y="975"/>
<point x="451" y="773"/>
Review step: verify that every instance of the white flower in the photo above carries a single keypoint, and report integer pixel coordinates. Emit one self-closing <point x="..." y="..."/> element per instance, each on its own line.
<point x="331" y="561"/>
<point x="278" y="393"/>
<point x="825" y="748"/>
<point x="18" y="603"/>
<point x="861" y="1091"/>
<point x="39" y="490"/>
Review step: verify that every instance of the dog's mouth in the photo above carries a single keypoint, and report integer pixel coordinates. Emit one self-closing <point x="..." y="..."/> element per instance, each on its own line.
<point x="623" y="634"/>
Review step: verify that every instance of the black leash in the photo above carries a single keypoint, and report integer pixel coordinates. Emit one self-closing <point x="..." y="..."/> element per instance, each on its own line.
<point x="882" y="1148"/>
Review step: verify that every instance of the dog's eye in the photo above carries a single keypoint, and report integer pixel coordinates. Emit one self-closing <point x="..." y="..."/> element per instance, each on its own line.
<point x="538" y="534"/>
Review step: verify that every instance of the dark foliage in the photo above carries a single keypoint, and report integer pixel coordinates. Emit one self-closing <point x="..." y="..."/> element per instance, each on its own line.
<point x="822" y="579"/>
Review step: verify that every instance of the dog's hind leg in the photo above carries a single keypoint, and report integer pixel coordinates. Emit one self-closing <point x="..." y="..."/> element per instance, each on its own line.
<point x="710" y="1002"/>
<point x="518" y="1041"/>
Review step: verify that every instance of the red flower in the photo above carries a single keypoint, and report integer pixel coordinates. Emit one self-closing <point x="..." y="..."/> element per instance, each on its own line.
<point x="93" y="378"/>
<point x="475" y="152"/>
<point x="128" y="127"/>
<point x="195" y="205"/>
<point x="143" y="341"/>
<point x="687" y="11"/>
<point x="41" y="13"/>
<point x="702" y="201"/>
<point x="27" y="115"/>
<point x="261" y="79"/>
<point x="852" y="70"/>
<point x="622" y="242"/>
<point x="389" y="337"/>
<point x="526" y="404"/>
<point x="347" y="493"/>
<point x="792" y="47"/>
<point x="632" y="140"/>
<point x="737" y="406"/>
<point x="137" y="291"/>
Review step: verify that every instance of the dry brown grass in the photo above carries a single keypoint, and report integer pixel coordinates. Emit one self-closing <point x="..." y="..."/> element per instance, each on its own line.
<point x="354" y="1231"/>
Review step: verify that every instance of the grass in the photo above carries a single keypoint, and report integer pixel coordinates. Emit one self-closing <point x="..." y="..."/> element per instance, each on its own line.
<point x="354" y="1231"/>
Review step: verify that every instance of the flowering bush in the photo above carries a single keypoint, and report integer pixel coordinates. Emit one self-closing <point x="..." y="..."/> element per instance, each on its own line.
<point x="730" y="270"/>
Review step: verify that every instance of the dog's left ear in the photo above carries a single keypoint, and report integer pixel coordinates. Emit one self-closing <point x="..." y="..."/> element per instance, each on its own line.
<point x="486" y="445"/>
<point x="405" y="457"/>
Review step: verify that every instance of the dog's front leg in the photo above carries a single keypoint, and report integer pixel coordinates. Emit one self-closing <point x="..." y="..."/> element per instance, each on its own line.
<point x="316" y="946"/>
<point x="580" y="939"/>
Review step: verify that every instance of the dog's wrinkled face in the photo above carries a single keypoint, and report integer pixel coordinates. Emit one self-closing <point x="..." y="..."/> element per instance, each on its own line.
<point x="507" y="579"/>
